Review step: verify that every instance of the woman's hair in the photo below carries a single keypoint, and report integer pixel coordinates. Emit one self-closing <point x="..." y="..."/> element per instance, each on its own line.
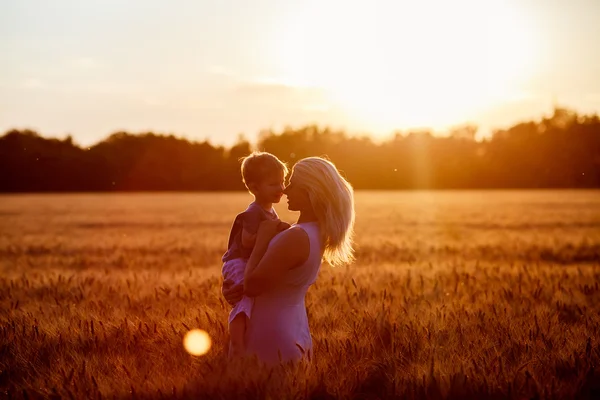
<point x="332" y="199"/>
<point x="258" y="165"/>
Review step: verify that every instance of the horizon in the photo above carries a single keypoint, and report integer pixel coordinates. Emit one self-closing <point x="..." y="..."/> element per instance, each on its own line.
<point x="89" y="70"/>
<point x="378" y="140"/>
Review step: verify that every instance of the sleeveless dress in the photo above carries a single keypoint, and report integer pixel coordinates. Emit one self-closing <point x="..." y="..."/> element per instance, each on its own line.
<point x="278" y="328"/>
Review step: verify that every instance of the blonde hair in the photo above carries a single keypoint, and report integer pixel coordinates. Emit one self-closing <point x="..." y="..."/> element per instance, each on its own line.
<point x="332" y="199"/>
<point x="257" y="165"/>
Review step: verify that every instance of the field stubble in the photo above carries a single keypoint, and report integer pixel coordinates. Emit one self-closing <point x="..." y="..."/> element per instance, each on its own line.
<point x="453" y="294"/>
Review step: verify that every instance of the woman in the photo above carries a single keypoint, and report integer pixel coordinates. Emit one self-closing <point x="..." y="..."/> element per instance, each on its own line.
<point x="283" y="265"/>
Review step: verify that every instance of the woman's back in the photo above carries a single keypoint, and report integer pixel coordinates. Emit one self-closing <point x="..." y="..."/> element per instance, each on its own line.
<point x="278" y="330"/>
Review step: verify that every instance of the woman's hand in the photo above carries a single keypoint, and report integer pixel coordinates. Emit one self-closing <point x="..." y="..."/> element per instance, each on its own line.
<point x="267" y="230"/>
<point x="232" y="293"/>
<point x="283" y="226"/>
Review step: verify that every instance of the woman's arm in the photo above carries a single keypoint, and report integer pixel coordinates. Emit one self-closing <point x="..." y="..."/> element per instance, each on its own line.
<point x="267" y="230"/>
<point x="267" y="266"/>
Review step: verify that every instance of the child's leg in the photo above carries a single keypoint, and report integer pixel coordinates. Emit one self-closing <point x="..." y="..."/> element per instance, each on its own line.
<point x="237" y="333"/>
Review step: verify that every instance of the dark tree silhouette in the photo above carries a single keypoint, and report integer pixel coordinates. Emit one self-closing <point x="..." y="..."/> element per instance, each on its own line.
<point x="558" y="151"/>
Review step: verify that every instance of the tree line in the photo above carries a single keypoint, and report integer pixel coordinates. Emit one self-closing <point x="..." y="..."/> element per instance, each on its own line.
<point x="558" y="151"/>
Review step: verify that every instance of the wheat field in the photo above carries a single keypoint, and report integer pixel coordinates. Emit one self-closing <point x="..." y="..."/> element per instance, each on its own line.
<point x="471" y="295"/>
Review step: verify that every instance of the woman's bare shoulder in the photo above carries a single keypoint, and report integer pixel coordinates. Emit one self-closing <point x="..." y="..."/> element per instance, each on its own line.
<point x="294" y="239"/>
<point x="294" y="232"/>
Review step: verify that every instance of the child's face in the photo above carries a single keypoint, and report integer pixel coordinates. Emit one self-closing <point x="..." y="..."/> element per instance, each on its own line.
<point x="269" y="189"/>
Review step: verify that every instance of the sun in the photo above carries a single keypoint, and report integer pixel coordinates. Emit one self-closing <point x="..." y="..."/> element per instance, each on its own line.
<point x="393" y="64"/>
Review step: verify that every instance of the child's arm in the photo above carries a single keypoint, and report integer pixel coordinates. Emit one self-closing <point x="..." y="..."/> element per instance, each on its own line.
<point x="250" y="223"/>
<point x="248" y="239"/>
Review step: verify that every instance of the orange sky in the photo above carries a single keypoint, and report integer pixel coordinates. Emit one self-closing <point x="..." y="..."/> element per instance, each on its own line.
<point x="213" y="69"/>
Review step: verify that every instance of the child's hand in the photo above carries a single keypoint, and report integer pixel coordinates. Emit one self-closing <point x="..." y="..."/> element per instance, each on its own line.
<point x="283" y="226"/>
<point x="232" y="293"/>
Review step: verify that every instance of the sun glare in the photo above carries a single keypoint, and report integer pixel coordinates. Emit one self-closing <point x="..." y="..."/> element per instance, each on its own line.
<point x="197" y="342"/>
<point x="394" y="64"/>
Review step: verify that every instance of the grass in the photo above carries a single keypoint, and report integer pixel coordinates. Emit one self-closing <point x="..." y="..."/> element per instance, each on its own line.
<point x="453" y="295"/>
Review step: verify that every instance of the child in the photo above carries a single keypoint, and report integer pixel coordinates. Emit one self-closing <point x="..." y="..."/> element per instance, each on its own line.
<point x="263" y="174"/>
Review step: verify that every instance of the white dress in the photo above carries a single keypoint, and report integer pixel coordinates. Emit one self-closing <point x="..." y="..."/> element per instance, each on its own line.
<point x="278" y="329"/>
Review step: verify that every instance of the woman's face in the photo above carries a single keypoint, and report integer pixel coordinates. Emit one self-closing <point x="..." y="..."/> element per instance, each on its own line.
<point x="297" y="197"/>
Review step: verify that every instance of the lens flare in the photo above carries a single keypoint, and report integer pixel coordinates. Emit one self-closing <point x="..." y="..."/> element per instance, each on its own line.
<point x="197" y="342"/>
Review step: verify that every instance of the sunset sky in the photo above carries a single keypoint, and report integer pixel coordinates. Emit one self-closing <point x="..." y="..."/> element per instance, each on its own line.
<point x="211" y="69"/>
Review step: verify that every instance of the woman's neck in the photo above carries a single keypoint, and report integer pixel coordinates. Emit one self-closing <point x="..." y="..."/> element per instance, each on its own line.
<point x="307" y="216"/>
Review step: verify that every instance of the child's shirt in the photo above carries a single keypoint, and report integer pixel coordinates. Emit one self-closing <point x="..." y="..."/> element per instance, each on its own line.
<point x="248" y="220"/>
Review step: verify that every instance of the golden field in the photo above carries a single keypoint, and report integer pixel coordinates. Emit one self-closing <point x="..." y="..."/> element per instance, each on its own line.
<point x="467" y="294"/>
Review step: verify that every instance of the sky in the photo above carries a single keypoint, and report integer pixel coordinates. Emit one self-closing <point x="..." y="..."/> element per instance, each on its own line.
<point x="214" y="69"/>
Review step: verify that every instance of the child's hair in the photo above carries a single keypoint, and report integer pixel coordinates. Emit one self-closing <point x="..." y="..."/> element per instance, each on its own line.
<point x="257" y="165"/>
